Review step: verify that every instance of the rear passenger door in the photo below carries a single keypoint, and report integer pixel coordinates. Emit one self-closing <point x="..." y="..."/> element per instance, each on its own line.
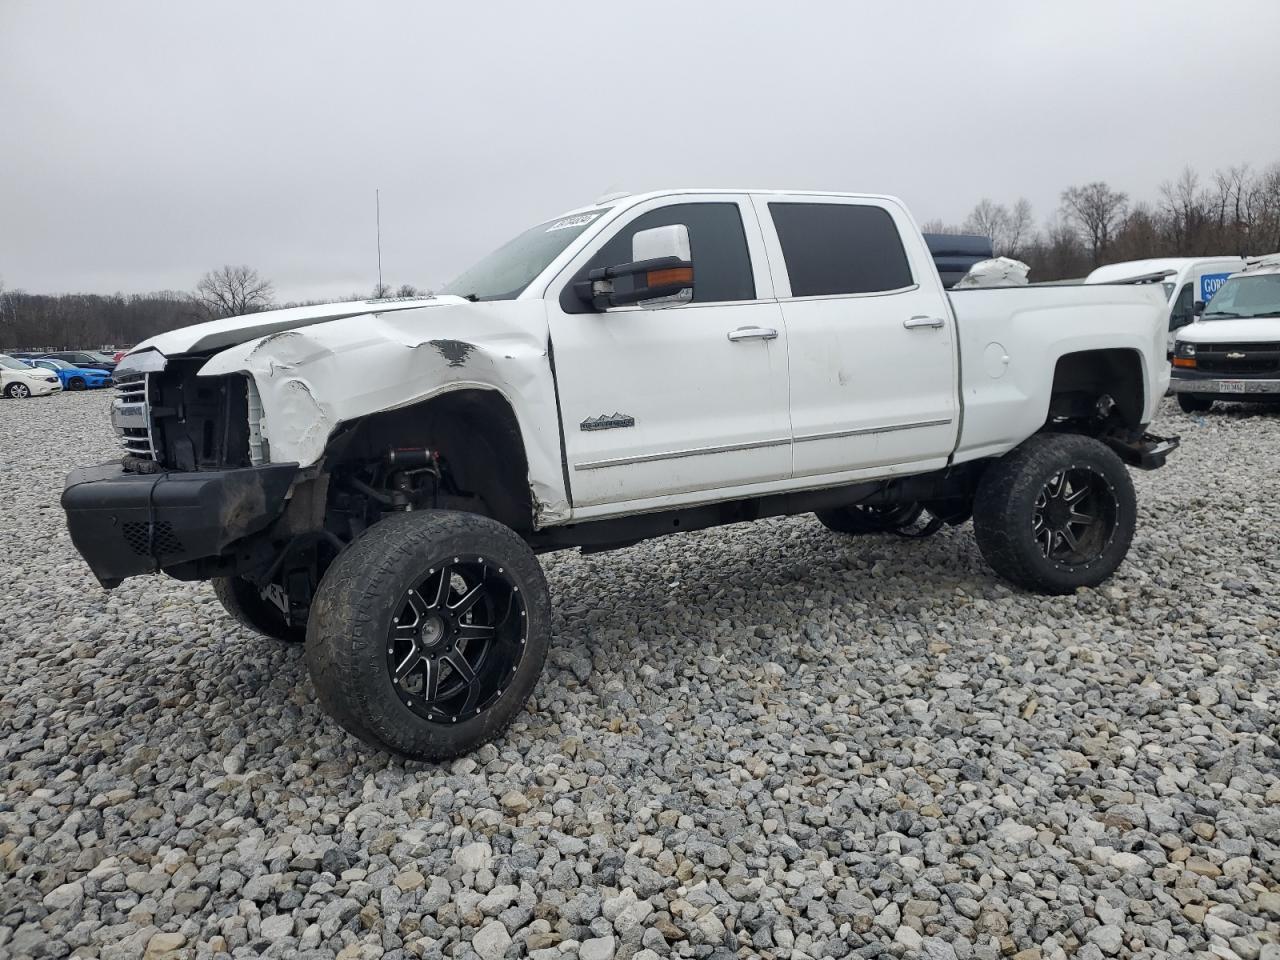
<point x="872" y="348"/>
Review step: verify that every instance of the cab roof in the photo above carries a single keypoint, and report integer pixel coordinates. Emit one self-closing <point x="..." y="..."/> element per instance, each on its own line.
<point x="631" y="199"/>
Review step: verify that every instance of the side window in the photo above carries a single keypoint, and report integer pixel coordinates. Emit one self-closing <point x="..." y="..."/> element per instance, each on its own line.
<point x="840" y="248"/>
<point x="1183" y="307"/>
<point x="717" y="242"/>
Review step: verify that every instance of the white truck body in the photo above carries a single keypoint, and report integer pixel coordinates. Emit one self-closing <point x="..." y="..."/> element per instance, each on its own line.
<point x="377" y="478"/>
<point x="721" y="400"/>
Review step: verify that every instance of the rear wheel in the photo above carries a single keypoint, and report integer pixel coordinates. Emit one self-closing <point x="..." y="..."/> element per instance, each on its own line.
<point x="245" y="603"/>
<point x="1194" y="403"/>
<point x="428" y="634"/>
<point x="1055" y="514"/>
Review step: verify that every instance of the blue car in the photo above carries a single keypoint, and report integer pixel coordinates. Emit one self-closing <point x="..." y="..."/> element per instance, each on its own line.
<point x="73" y="377"/>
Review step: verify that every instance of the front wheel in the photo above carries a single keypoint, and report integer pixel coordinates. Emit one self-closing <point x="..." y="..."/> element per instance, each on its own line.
<point x="429" y="633"/>
<point x="17" y="391"/>
<point x="1056" y="513"/>
<point x="1194" y="403"/>
<point x="75" y="383"/>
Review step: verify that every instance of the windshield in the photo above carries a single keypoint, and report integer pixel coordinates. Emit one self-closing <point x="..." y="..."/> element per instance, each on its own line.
<point x="56" y="364"/>
<point x="1256" y="296"/>
<point x="504" y="274"/>
<point x="12" y="364"/>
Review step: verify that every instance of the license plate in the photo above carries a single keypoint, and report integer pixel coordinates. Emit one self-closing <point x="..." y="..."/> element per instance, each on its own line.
<point x="1233" y="386"/>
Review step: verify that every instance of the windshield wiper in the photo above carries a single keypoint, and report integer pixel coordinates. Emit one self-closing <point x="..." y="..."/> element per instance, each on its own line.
<point x="1223" y="315"/>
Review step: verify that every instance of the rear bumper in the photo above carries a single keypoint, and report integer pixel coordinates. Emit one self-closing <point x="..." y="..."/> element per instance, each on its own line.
<point x="1224" y="386"/>
<point x="125" y="524"/>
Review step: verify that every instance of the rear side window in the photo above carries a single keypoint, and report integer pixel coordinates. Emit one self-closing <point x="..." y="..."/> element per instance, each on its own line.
<point x="840" y="248"/>
<point x="717" y="242"/>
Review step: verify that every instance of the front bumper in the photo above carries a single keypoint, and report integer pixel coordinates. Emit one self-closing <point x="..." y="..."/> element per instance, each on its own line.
<point x="42" y="388"/>
<point x="125" y="524"/>
<point x="1223" y="386"/>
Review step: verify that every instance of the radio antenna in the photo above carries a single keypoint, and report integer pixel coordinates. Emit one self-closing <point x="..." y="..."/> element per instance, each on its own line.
<point x="377" y="202"/>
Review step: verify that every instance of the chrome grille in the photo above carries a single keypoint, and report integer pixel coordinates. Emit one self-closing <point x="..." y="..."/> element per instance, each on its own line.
<point x="131" y="415"/>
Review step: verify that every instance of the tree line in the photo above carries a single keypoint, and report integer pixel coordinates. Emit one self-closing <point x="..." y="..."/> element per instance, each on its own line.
<point x="68" y="321"/>
<point x="1234" y="211"/>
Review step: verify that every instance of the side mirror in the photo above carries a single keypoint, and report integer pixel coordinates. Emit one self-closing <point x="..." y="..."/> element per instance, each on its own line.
<point x="660" y="273"/>
<point x="1198" y="308"/>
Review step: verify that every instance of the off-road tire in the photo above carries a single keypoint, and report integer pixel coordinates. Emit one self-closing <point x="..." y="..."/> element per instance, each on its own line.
<point x="353" y="613"/>
<point x="1004" y="508"/>
<point x="1194" y="403"/>
<point x="241" y="599"/>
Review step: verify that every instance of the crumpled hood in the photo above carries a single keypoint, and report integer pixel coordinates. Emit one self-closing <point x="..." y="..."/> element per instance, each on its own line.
<point x="1247" y="330"/>
<point x="220" y="334"/>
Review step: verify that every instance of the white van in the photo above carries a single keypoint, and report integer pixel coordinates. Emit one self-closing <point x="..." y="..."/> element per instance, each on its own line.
<point x="1194" y="281"/>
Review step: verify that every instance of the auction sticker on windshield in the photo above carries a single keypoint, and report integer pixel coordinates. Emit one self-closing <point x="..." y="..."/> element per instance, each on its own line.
<point x="581" y="220"/>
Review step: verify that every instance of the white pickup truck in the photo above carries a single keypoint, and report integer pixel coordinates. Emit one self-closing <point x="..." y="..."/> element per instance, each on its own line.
<point x="377" y="477"/>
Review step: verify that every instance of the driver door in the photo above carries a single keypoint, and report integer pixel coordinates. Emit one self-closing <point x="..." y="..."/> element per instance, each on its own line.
<point x="660" y="406"/>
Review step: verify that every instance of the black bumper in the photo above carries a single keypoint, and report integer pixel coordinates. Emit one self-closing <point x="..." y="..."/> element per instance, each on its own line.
<point x="125" y="524"/>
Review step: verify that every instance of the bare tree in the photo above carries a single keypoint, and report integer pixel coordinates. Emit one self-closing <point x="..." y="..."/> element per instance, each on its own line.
<point x="233" y="291"/>
<point x="938" y="225"/>
<point x="407" y="290"/>
<point x="1019" y="227"/>
<point x="1096" y="211"/>
<point x="1009" y="230"/>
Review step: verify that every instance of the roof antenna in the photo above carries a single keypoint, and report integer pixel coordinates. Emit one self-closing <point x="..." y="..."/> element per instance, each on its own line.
<point x="377" y="201"/>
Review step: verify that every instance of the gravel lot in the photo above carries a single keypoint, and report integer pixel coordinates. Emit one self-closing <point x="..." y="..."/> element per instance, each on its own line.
<point x="756" y="741"/>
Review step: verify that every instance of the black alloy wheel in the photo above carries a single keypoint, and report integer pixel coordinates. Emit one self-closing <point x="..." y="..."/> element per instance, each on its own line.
<point x="1056" y="513"/>
<point x="458" y="637"/>
<point x="427" y="635"/>
<point x="1074" y="518"/>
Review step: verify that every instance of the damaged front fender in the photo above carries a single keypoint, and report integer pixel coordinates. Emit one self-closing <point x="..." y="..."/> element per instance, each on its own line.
<point x="311" y="381"/>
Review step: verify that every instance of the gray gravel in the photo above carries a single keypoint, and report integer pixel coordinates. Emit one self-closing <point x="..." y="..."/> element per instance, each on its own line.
<point x="756" y="741"/>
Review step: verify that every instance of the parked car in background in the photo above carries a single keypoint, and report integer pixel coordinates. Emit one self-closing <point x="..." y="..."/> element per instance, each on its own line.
<point x="19" y="381"/>
<point x="1192" y="282"/>
<point x="71" y="376"/>
<point x="1232" y="352"/>
<point x="81" y="358"/>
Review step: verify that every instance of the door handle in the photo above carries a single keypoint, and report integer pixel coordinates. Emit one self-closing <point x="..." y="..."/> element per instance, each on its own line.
<point x="753" y="333"/>
<point x="923" y="322"/>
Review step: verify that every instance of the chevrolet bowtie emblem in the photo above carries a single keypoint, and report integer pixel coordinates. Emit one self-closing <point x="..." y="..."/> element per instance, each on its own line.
<point x="608" y="421"/>
<point x="1235" y="356"/>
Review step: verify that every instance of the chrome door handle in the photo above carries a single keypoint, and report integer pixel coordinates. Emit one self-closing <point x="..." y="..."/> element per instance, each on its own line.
<point x="923" y="322"/>
<point x="753" y="333"/>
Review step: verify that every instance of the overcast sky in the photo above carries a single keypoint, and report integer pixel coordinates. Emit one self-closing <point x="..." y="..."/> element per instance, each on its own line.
<point x="144" y="143"/>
